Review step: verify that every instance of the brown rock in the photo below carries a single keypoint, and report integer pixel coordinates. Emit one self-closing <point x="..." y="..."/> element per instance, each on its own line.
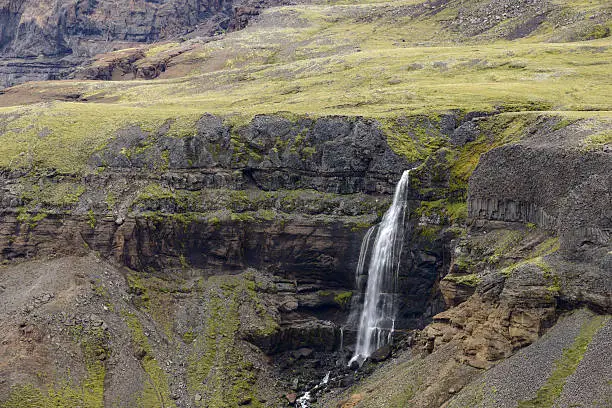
<point x="291" y="397"/>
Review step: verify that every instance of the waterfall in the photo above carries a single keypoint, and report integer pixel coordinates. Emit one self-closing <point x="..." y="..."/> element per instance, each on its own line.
<point x="377" y="321"/>
<point x="304" y="400"/>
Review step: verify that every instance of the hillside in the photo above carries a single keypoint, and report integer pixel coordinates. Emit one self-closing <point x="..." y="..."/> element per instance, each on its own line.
<point x="48" y="39"/>
<point x="181" y="221"/>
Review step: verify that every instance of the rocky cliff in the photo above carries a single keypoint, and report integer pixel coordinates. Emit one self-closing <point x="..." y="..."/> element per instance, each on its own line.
<point x="266" y="218"/>
<point x="532" y="251"/>
<point x="273" y="210"/>
<point x="47" y="40"/>
<point x="191" y="240"/>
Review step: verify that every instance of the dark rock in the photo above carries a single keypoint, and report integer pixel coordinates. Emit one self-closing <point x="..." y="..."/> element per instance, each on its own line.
<point x="302" y="352"/>
<point x="245" y="401"/>
<point x="140" y="353"/>
<point x="47" y="39"/>
<point x="381" y="354"/>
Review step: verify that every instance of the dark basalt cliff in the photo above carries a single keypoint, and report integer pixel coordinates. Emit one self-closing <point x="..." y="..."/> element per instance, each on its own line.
<point x="42" y="40"/>
<point x="285" y="201"/>
<point x="226" y="254"/>
<point x="536" y="247"/>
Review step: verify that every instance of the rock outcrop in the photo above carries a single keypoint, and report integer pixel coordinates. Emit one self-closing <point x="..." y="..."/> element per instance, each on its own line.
<point x="539" y="244"/>
<point x="42" y="40"/>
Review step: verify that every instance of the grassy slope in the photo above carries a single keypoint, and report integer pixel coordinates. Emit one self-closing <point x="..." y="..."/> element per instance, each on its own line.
<point x="376" y="59"/>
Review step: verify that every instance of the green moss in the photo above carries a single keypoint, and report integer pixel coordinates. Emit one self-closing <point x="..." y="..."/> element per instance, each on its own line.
<point x="91" y="219"/>
<point x="429" y="232"/>
<point x="537" y="261"/>
<point x="183" y="261"/>
<point x="343" y="299"/>
<point x="30" y="219"/>
<point x="154" y="192"/>
<point x="52" y="194"/>
<point x="26" y="396"/>
<point x="563" y="123"/>
<point x="189" y="337"/>
<point x="111" y="201"/>
<point x="156" y="391"/>
<point x="266" y="215"/>
<point x="414" y="138"/>
<point x="452" y="212"/>
<point x="565" y="366"/>
<point x="597" y="141"/>
<point x="243" y="217"/>
<point x="139" y="289"/>
<point x="505" y="245"/>
<point x="494" y="132"/>
<point x="155" y="50"/>
<point x="217" y="368"/>
<point x="471" y="280"/>
<point x="95" y="351"/>
<point x="596" y="32"/>
<point x="154" y="295"/>
<point x="360" y="225"/>
<point x="65" y="393"/>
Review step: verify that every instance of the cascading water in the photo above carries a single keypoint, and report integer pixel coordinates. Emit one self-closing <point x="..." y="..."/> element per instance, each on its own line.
<point x="377" y="321"/>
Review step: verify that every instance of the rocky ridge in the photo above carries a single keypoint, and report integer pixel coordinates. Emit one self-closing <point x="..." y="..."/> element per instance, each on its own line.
<point x="48" y="40"/>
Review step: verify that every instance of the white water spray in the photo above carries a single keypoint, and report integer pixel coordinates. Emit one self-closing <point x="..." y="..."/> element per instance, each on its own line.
<point x="377" y="321"/>
<point x="304" y="400"/>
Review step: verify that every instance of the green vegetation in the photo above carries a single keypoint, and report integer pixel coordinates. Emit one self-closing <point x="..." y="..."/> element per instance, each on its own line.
<point x="218" y="368"/>
<point x="221" y="206"/>
<point x="565" y="366"/>
<point x="91" y="219"/>
<point x="155" y="192"/>
<point x="343" y="299"/>
<point x="414" y="138"/>
<point x="536" y="257"/>
<point x="52" y="194"/>
<point x="504" y="246"/>
<point x="429" y="232"/>
<point x="363" y="58"/>
<point x="563" y="123"/>
<point x="597" y="141"/>
<point x="31" y="219"/>
<point x="156" y="392"/>
<point x="471" y="280"/>
<point x="453" y="212"/>
<point x="89" y="393"/>
<point x="158" y="49"/>
<point x="537" y="261"/>
<point x="154" y="296"/>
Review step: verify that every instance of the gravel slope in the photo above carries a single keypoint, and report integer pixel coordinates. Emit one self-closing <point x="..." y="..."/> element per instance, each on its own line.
<point x="519" y="377"/>
<point x="591" y="384"/>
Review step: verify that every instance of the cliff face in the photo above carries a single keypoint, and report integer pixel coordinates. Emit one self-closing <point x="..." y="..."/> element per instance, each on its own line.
<point x="271" y="214"/>
<point x="533" y="251"/>
<point x="258" y="225"/>
<point x="192" y="240"/>
<point x="47" y="39"/>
